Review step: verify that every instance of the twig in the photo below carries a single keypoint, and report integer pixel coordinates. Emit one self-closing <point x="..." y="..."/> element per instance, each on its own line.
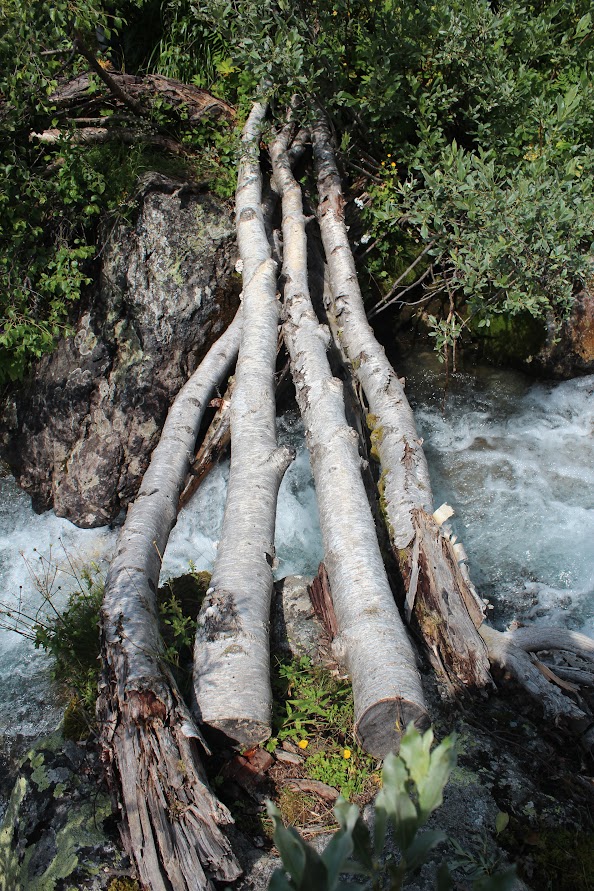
<point x="381" y="306"/>
<point x="80" y="46"/>
<point x="401" y="277"/>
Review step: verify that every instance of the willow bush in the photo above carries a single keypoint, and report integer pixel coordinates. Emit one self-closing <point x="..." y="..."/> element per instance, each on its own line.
<point x="473" y="121"/>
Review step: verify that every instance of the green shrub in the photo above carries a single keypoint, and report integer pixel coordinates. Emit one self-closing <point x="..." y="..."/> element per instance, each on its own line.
<point x="412" y="789"/>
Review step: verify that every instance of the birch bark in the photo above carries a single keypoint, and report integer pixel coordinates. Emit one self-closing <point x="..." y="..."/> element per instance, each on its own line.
<point x="148" y="737"/>
<point x="446" y="607"/>
<point x="371" y="637"/>
<point x="231" y="657"/>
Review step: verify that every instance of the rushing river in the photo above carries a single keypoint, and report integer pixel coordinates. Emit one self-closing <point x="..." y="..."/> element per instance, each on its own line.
<point x="515" y="459"/>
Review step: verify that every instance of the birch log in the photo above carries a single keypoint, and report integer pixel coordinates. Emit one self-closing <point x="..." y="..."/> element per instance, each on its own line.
<point x="445" y="606"/>
<point x="372" y="640"/>
<point x="231" y="658"/>
<point x="148" y="737"/>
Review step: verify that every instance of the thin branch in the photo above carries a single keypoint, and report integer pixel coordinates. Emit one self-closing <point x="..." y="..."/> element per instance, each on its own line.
<point x="80" y="46"/>
<point x="401" y="277"/>
<point x="381" y="307"/>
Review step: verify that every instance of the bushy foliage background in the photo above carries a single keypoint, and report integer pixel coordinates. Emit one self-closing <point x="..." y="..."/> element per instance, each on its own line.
<point x="474" y="121"/>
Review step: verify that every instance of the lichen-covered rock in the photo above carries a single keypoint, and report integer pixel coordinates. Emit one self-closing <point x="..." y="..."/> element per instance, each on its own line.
<point x="570" y="351"/>
<point x="79" y="433"/>
<point x="294" y="629"/>
<point x="57" y="833"/>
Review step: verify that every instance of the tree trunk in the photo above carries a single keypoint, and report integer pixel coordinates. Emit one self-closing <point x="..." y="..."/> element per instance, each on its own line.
<point x="446" y="607"/>
<point x="147" y="734"/>
<point x="231" y="661"/>
<point x="372" y="640"/>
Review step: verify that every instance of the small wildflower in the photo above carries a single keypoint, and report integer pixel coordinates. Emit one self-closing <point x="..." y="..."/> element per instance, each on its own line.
<point x="393" y="164"/>
<point x="303" y="743"/>
<point x="346" y="753"/>
<point x="383" y="163"/>
<point x="389" y="156"/>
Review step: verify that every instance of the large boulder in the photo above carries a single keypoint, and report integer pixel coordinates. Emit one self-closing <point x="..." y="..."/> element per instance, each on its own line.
<point x="79" y="433"/>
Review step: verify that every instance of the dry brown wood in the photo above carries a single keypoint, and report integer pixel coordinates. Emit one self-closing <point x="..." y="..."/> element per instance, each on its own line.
<point x="321" y="600"/>
<point x="214" y="446"/>
<point x="328" y="793"/>
<point x="197" y="103"/>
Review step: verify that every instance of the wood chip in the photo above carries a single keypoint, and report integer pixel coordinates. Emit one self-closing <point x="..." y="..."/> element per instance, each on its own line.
<point x="328" y="793"/>
<point x="287" y="757"/>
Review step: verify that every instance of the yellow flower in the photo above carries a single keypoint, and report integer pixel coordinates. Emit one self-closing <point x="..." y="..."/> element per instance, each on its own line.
<point x="346" y="753"/>
<point x="303" y="743"/>
<point x="393" y="164"/>
<point x="389" y="156"/>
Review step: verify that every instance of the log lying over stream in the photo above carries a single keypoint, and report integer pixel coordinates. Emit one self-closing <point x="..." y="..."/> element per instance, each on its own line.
<point x="148" y="737"/>
<point x="231" y="657"/>
<point x="372" y="640"/>
<point x="444" y="605"/>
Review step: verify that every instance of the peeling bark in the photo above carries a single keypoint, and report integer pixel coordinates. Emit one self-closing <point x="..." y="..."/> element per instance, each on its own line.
<point x="371" y="639"/>
<point x="231" y="659"/>
<point x="445" y="606"/>
<point x="148" y="738"/>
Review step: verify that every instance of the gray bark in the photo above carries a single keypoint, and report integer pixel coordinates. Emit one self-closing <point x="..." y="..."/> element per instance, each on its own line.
<point x="446" y="607"/>
<point x="147" y="734"/>
<point x="514" y="659"/>
<point x="231" y="661"/>
<point x="371" y="638"/>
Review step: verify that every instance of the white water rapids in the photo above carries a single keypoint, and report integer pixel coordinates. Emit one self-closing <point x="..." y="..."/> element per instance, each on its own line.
<point x="516" y="461"/>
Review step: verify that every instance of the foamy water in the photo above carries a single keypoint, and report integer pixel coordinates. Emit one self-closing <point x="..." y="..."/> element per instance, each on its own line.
<point x="516" y="461"/>
<point x="39" y="556"/>
<point x="39" y="552"/>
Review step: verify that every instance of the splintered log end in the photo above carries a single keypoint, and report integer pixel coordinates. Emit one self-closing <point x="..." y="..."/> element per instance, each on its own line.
<point x="381" y="726"/>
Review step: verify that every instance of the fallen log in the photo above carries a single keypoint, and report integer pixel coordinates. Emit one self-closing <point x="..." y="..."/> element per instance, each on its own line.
<point x="445" y="607"/>
<point x="371" y="640"/>
<point x="148" y="737"/>
<point x="231" y="656"/>
<point x="196" y="102"/>
<point x="441" y="601"/>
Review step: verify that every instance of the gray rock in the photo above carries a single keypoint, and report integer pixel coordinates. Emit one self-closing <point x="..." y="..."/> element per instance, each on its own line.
<point x="295" y="630"/>
<point x="79" y="433"/>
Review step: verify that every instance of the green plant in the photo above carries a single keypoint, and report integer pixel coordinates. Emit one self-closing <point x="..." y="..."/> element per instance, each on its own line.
<point x="314" y="709"/>
<point x="412" y="789"/>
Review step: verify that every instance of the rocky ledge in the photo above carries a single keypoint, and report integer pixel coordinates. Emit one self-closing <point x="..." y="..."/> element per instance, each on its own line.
<point x="79" y="433"/>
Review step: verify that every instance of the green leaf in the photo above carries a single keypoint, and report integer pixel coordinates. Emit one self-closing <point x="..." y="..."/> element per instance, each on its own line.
<point x="503" y="881"/>
<point x="416" y="854"/>
<point x="444" y="879"/>
<point x="443" y="759"/>
<point x="501" y="821"/>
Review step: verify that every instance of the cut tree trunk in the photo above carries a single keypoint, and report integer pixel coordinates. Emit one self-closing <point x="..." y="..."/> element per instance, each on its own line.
<point x="372" y="642"/>
<point x="445" y="607"/>
<point x="231" y="659"/>
<point x="148" y="738"/>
